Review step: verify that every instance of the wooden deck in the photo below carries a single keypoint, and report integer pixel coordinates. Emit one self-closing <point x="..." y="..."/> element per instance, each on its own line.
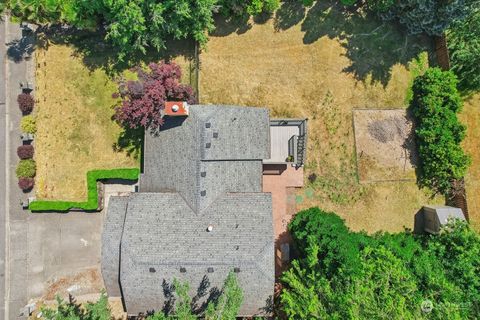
<point x="279" y="137"/>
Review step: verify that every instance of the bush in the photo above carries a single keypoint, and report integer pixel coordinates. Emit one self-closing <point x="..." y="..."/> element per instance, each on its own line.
<point x="26" y="169"/>
<point x="26" y="183"/>
<point x="435" y="105"/>
<point x="25" y="103"/>
<point x="28" y="124"/>
<point x="92" y="192"/>
<point x="25" y="152"/>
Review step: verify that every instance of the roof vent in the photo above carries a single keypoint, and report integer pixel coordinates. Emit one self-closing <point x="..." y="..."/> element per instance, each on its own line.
<point x="207" y="145"/>
<point x="208" y="125"/>
<point x="152" y="270"/>
<point x="203" y="193"/>
<point x="203" y="174"/>
<point x="236" y="270"/>
<point x="210" y="270"/>
<point x="210" y="228"/>
<point x="183" y="270"/>
<point x="237" y="247"/>
<point x="215" y="134"/>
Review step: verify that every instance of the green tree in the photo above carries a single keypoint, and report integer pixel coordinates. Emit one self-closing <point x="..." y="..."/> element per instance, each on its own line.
<point x="394" y="273"/>
<point x="432" y="17"/>
<point x="226" y="307"/>
<point x="229" y="302"/>
<point x="385" y="289"/>
<point x="243" y="8"/>
<point x="73" y="311"/>
<point x="435" y="105"/>
<point x="131" y="26"/>
<point x="464" y="46"/>
<point x="42" y="11"/>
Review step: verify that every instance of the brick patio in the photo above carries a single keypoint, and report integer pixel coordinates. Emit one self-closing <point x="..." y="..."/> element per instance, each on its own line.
<point x="281" y="181"/>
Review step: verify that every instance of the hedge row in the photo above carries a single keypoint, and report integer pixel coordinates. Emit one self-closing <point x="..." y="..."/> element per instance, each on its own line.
<point x="92" y="203"/>
<point x="439" y="133"/>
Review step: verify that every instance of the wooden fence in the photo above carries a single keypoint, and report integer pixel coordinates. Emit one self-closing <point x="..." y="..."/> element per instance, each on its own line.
<point x="441" y="52"/>
<point x="459" y="200"/>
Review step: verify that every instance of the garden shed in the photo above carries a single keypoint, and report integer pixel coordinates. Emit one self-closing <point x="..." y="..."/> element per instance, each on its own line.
<point x="437" y="216"/>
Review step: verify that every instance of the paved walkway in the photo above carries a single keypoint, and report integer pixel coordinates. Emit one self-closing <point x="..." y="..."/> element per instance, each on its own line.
<point x="281" y="182"/>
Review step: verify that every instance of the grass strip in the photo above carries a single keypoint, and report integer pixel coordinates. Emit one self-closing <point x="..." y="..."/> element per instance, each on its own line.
<point x="92" y="202"/>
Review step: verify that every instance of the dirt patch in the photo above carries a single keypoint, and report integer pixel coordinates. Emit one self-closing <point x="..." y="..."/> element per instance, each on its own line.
<point x="85" y="282"/>
<point x="385" y="145"/>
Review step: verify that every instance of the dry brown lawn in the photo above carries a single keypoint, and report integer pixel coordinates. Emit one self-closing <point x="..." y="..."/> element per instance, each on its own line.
<point x="471" y="117"/>
<point x="75" y="131"/>
<point x="322" y="77"/>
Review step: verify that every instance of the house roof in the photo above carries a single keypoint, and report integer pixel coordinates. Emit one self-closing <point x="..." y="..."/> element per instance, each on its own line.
<point x="163" y="228"/>
<point x="216" y="149"/>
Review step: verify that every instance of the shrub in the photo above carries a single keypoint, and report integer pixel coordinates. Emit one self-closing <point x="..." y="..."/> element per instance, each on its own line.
<point x="28" y="124"/>
<point x="435" y="105"/>
<point x="26" y="183"/>
<point x="25" y="103"/>
<point x="25" y="152"/>
<point x="26" y="169"/>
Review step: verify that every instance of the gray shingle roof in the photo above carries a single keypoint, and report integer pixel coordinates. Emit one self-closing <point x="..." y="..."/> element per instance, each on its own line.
<point x="176" y="158"/>
<point x="185" y="188"/>
<point x="111" y="238"/>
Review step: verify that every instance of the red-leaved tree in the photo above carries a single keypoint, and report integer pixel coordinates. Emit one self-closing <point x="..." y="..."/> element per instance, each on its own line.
<point x="142" y="100"/>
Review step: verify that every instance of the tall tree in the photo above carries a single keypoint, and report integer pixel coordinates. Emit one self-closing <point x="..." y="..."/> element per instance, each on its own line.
<point x="395" y="273"/>
<point x="131" y="26"/>
<point x="71" y="310"/>
<point x="432" y="17"/>
<point x="464" y="45"/>
<point x="226" y="307"/>
<point x="142" y="100"/>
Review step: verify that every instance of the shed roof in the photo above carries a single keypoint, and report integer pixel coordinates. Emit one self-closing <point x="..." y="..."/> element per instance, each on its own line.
<point x="443" y="213"/>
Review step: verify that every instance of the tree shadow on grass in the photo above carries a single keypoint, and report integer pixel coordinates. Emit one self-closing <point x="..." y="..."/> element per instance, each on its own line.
<point x="372" y="46"/>
<point x="97" y="53"/>
<point x="131" y="141"/>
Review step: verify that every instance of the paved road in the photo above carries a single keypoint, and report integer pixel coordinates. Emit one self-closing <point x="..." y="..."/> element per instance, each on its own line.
<point x="3" y="155"/>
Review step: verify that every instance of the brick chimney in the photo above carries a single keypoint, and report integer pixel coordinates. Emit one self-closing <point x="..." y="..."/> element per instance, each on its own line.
<point x="176" y="109"/>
